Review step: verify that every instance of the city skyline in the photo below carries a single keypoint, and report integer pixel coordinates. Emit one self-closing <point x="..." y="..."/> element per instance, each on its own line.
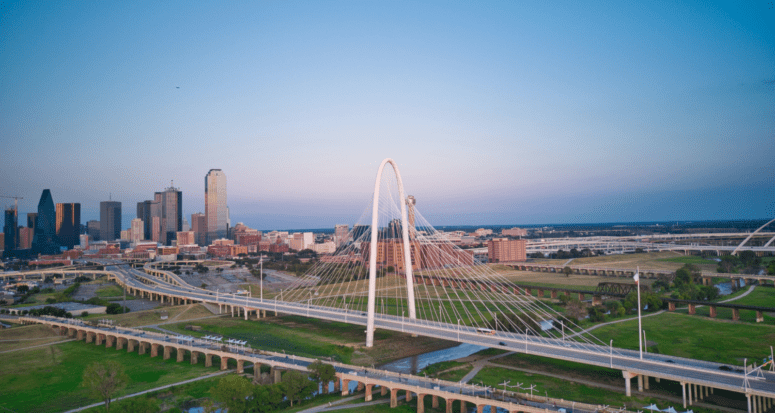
<point x="497" y="114"/>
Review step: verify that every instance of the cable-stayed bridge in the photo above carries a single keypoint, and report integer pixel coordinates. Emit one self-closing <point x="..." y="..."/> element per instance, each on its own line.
<point x="396" y="272"/>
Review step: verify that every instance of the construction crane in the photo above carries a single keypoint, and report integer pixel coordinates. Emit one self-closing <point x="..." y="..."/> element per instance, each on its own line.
<point x="15" y="202"/>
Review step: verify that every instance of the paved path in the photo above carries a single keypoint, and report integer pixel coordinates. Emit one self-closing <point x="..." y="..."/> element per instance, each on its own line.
<point x="334" y="405"/>
<point x="479" y="364"/>
<point x="152" y="390"/>
<point x="39" y="345"/>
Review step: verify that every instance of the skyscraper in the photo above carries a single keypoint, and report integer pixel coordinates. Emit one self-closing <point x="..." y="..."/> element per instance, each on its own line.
<point x="45" y="239"/>
<point x="171" y="203"/>
<point x="216" y="212"/>
<point x="31" y="218"/>
<point x="340" y="234"/>
<point x="93" y="229"/>
<point x="10" y="231"/>
<point x="68" y="224"/>
<point x="137" y="230"/>
<point x="146" y="211"/>
<point x="110" y="220"/>
<point x="199" y="226"/>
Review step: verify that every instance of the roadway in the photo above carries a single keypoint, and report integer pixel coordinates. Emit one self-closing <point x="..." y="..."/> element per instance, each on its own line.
<point x="653" y="365"/>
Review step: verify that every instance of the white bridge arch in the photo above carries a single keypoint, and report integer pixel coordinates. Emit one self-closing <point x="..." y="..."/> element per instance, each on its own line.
<point x="373" y="251"/>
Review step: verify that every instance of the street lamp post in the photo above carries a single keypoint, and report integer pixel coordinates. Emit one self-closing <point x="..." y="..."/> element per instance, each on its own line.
<point x="640" y="327"/>
<point x="262" y="278"/>
<point x="458" y="329"/>
<point x="611" y="352"/>
<point x="403" y="313"/>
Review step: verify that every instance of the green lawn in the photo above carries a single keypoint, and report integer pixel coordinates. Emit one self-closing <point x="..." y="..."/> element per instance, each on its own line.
<point x="48" y="379"/>
<point x="763" y="296"/>
<point x="694" y="337"/>
<point x="112" y="291"/>
<point x="322" y="342"/>
<point x="570" y="390"/>
<point x="689" y="259"/>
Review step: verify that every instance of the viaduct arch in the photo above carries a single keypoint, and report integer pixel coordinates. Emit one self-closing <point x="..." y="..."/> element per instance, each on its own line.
<point x="373" y="251"/>
<point x="752" y="234"/>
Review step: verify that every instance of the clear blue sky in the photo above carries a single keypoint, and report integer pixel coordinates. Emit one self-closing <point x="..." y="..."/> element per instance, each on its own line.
<point x="496" y="112"/>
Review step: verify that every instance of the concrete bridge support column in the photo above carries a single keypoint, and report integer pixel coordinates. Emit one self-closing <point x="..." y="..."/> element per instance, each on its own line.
<point x="420" y="404"/>
<point x="683" y="393"/>
<point x="276" y="375"/>
<point x="257" y="372"/>
<point x="627" y="377"/>
<point x="167" y="351"/>
<point x="581" y="297"/>
<point x="232" y="310"/>
<point x="109" y="341"/>
<point x="240" y="366"/>
<point x="435" y="402"/>
<point x="224" y="363"/>
<point x="360" y="386"/>
<point x="346" y="390"/>
<point x="713" y="312"/>
<point x="408" y="395"/>
<point x="383" y="390"/>
<point x="181" y="353"/>
<point x="735" y="314"/>
<point x="689" y="392"/>
<point x="140" y="348"/>
<point x="448" y="407"/>
<point x="646" y="382"/>
<point x="393" y="397"/>
<point x="120" y="343"/>
<point x="194" y="357"/>
<point x="759" y="316"/>
<point x="692" y="309"/>
<point x="208" y="360"/>
<point x="670" y="306"/>
<point x="98" y="339"/>
<point x="79" y="335"/>
<point x="368" y="397"/>
<point x="154" y="350"/>
<point x="338" y="385"/>
<point x="480" y="408"/>
<point x="245" y="310"/>
<point x="640" y="382"/>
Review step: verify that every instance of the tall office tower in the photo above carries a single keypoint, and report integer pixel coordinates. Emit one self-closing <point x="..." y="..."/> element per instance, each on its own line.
<point x="10" y="231"/>
<point x="171" y="202"/>
<point x="25" y="238"/>
<point x="68" y="224"/>
<point x="340" y="234"/>
<point x="93" y="229"/>
<point x="186" y="225"/>
<point x="110" y="220"/>
<point x="199" y="226"/>
<point x="45" y="239"/>
<point x="138" y="233"/>
<point x="84" y="241"/>
<point x="216" y="212"/>
<point x="147" y="210"/>
<point x="31" y="218"/>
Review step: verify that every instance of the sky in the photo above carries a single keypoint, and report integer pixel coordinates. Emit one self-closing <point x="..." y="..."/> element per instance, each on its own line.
<point x="496" y="112"/>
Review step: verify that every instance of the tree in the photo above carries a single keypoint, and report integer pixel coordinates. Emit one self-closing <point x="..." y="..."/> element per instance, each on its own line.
<point x="104" y="380"/>
<point x="322" y="373"/>
<point x="575" y="309"/>
<point x="232" y="391"/>
<point x="22" y="289"/>
<point x="567" y="271"/>
<point x="297" y="386"/>
<point x="266" y="398"/>
<point x="138" y="405"/>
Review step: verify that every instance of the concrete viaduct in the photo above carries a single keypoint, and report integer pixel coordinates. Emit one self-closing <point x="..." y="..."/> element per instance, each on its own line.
<point x="366" y="380"/>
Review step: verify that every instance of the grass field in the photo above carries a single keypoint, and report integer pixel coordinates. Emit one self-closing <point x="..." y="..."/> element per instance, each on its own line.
<point x="694" y="337"/>
<point x="26" y="336"/>
<point x="690" y="259"/>
<point x="112" y="291"/>
<point x="142" y="318"/>
<point x="763" y="296"/>
<point x="315" y="338"/>
<point x="47" y="379"/>
<point x="570" y="390"/>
